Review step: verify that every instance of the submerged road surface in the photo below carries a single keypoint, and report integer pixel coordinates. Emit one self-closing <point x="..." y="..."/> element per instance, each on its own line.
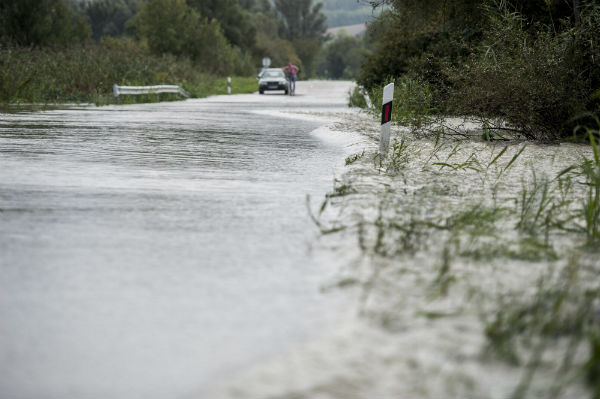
<point x="157" y="250"/>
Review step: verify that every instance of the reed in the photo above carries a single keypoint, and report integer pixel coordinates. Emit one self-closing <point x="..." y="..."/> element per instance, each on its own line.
<point x="590" y="170"/>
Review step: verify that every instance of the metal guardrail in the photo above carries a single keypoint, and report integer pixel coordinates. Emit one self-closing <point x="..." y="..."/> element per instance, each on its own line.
<point x="134" y="90"/>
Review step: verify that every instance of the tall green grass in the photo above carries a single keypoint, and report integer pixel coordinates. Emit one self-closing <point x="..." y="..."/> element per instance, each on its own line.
<point x="86" y="73"/>
<point x="590" y="170"/>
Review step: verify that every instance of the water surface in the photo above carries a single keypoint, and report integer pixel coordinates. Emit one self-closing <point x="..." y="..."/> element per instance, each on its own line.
<point x="156" y="250"/>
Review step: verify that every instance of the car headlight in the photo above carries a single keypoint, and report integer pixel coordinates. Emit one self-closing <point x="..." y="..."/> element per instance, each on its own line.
<point x="282" y="81"/>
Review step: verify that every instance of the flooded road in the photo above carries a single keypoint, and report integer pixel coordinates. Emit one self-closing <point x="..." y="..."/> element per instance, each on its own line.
<point x="156" y="250"/>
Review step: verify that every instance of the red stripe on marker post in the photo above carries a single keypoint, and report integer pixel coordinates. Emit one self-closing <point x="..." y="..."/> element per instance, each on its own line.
<point x="386" y="119"/>
<point x="386" y="113"/>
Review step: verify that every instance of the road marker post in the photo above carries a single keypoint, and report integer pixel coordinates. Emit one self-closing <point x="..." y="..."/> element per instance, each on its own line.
<point x="386" y="119"/>
<point x="228" y="85"/>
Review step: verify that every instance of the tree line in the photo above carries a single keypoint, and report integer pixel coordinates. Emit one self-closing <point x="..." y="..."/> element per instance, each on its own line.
<point x="221" y="36"/>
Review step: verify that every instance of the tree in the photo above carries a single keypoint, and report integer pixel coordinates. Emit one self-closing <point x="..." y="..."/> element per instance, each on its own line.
<point x="421" y="37"/>
<point x="341" y="58"/>
<point x="304" y="25"/>
<point x="108" y="17"/>
<point x="299" y="19"/>
<point x="171" y="26"/>
<point x="268" y="42"/>
<point x="236" y="22"/>
<point x="40" y="23"/>
<point x="248" y="5"/>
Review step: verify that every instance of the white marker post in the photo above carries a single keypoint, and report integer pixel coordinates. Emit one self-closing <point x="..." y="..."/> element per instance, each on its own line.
<point x="228" y="85"/>
<point x="386" y="119"/>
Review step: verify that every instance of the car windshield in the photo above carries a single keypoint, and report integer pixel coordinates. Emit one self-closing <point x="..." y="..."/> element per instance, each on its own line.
<point x="273" y="74"/>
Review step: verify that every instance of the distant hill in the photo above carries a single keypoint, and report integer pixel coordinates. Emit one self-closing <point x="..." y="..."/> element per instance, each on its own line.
<point x="346" y="12"/>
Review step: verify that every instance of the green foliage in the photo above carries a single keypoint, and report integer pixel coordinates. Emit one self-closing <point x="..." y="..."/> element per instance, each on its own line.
<point x="304" y="25"/>
<point x="534" y="204"/>
<point x="167" y="25"/>
<point x="307" y="49"/>
<point x="300" y="19"/>
<point x="341" y="58"/>
<point x="268" y="42"/>
<point x="531" y="64"/>
<point x="235" y="22"/>
<point x="171" y="26"/>
<point x="281" y="52"/>
<point x="399" y="156"/>
<point x="86" y="73"/>
<point x="537" y="82"/>
<point x="109" y="17"/>
<point x="353" y="158"/>
<point x="356" y="98"/>
<point x="419" y="38"/>
<point x="592" y="367"/>
<point x="40" y="23"/>
<point x="589" y="169"/>
<point x="413" y="102"/>
<point x="563" y="309"/>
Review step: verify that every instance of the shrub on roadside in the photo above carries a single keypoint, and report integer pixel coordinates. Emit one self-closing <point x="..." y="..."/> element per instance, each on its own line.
<point x="86" y="73"/>
<point x="535" y="82"/>
<point x="356" y="98"/>
<point x="413" y="102"/>
<point x="533" y="69"/>
<point x="173" y="27"/>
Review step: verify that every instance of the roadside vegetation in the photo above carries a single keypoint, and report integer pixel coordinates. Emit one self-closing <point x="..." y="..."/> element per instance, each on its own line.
<point x="74" y="51"/>
<point x="87" y="72"/>
<point x="499" y="238"/>
<point x="526" y="68"/>
<point x="472" y="219"/>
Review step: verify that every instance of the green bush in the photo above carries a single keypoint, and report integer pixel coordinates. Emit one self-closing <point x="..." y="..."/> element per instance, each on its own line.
<point x="40" y="23"/>
<point x="535" y="79"/>
<point x="172" y="27"/>
<point x="86" y="73"/>
<point x="533" y="67"/>
<point x="356" y="98"/>
<point x="417" y="38"/>
<point x="413" y="104"/>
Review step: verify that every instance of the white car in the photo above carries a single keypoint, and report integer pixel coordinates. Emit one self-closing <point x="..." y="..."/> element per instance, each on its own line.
<point x="273" y="79"/>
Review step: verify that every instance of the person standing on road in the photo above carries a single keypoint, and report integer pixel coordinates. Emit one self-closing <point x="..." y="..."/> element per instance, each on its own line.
<point x="291" y="70"/>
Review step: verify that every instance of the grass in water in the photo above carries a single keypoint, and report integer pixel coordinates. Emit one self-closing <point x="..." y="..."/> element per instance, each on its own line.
<point x="562" y="310"/>
<point x="353" y="158"/>
<point x="552" y="329"/>
<point x="590" y="170"/>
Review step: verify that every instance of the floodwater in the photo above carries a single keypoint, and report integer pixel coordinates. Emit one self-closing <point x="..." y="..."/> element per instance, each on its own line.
<point x="426" y="297"/>
<point x="156" y="250"/>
